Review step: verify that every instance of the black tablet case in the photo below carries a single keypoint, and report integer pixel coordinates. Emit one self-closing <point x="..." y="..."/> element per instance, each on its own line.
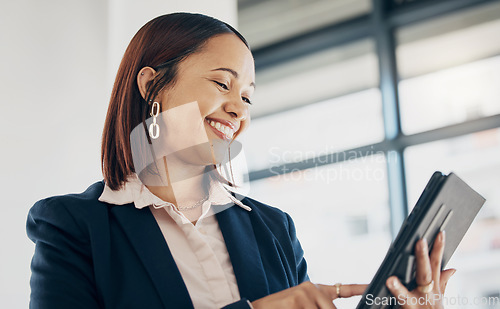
<point x="447" y="203"/>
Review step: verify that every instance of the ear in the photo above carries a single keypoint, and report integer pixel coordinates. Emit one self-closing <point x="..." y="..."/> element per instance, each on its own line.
<point x="145" y="75"/>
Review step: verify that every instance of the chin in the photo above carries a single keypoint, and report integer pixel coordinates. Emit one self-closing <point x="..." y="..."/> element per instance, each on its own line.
<point x="219" y="149"/>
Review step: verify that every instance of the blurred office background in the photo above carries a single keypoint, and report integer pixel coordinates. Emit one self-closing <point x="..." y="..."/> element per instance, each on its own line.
<point x="357" y="103"/>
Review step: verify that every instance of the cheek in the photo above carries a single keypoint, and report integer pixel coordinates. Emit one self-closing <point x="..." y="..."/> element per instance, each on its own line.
<point x="185" y="92"/>
<point x="209" y="98"/>
<point x="204" y="97"/>
<point x="244" y="126"/>
<point x="208" y="106"/>
<point x="182" y="128"/>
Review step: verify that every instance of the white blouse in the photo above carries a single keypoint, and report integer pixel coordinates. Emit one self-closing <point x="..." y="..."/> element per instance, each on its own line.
<point x="198" y="249"/>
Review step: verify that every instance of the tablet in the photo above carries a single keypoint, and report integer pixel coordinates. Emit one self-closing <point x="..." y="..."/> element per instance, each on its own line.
<point x="447" y="203"/>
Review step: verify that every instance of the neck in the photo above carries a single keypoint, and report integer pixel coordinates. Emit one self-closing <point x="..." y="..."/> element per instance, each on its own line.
<point x="182" y="186"/>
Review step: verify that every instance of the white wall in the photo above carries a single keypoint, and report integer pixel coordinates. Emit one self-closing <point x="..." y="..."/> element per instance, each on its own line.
<point x="127" y="16"/>
<point x="57" y="61"/>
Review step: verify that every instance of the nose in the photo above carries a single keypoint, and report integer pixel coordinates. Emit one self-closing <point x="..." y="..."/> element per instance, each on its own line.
<point x="237" y="109"/>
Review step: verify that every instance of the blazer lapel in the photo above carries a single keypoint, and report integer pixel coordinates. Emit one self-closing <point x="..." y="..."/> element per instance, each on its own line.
<point x="141" y="228"/>
<point x="244" y="252"/>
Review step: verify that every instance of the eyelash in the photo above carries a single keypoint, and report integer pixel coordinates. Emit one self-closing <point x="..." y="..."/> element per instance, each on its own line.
<point x="222" y="85"/>
<point x="225" y="87"/>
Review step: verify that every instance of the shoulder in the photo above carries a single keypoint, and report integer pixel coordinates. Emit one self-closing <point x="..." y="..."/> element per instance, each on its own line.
<point x="70" y="202"/>
<point x="269" y="214"/>
<point x="263" y="208"/>
<point x="69" y="211"/>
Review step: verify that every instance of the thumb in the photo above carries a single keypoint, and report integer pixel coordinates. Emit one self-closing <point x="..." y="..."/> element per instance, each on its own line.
<point x="445" y="276"/>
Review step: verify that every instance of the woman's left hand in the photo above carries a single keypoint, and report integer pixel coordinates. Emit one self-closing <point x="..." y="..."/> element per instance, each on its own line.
<point x="431" y="280"/>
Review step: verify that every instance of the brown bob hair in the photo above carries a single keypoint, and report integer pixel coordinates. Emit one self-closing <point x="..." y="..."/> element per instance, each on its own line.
<point x="162" y="44"/>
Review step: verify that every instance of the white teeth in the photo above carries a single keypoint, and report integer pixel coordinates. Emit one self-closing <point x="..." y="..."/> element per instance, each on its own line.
<point x="227" y="131"/>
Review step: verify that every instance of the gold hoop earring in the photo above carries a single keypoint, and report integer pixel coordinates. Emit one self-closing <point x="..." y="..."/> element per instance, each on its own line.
<point x="154" y="128"/>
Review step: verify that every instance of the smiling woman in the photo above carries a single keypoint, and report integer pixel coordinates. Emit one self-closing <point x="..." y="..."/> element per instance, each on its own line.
<point x="160" y="231"/>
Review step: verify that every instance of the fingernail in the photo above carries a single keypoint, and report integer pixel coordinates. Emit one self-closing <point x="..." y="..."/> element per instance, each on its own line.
<point x="443" y="235"/>
<point x="393" y="283"/>
<point x="423" y="244"/>
<point x="454" y="271"/>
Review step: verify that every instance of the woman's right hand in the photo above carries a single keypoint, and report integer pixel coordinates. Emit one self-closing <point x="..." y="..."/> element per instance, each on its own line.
<point x="308" y="295"/>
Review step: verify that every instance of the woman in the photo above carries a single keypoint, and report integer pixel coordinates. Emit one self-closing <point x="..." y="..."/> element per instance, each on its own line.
<point x="159" y="231"/>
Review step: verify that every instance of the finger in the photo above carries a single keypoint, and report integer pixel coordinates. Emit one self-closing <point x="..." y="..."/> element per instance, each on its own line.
<point x="396" y="288"/>
<point x="325" y="302"/>
<point x="424" y="274"/>
<point x="349" y="290"/>
<point x="318" y="297"/>
<point x="346" y="290"/>
<point x="437" y="256"/>
<point x="445" y="276"/>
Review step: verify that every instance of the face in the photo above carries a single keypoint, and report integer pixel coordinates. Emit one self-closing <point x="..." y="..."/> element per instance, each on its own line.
<point x="208" y="104"/>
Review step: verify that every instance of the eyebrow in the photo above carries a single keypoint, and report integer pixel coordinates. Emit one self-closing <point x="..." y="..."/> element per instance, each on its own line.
<point x="233" y="72"/>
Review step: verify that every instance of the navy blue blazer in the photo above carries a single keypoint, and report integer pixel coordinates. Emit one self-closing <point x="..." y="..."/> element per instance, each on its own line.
<point x="91" y="254"/>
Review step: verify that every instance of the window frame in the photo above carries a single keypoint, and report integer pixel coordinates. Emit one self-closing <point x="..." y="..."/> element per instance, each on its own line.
<point x="380" y="25"/>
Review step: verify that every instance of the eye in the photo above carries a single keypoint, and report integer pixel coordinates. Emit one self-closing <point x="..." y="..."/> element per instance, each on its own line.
<point x="247" y="100"/>
<point x="222" y="85"/>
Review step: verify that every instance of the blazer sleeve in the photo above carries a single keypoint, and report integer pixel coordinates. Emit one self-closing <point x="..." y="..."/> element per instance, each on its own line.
<point x="61" y="268"/>
<point x="300" y="261"/>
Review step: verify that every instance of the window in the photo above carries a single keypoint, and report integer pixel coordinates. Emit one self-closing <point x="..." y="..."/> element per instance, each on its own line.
<point x="265" y="22"/>
<point x="320" y="118"/>
<point x="318" y="129"/>
<point x="347" y="204"/>
<point x="450" y="69"/>
<point x="292" y="119"/>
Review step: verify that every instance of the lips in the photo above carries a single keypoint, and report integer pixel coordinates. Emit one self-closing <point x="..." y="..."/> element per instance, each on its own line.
<point x="222" y="128"/>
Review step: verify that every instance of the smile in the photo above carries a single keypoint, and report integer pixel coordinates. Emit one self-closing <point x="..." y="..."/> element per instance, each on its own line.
<point x="225" y="132"/>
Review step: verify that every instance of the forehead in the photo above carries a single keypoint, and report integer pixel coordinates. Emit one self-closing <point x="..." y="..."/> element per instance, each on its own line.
<point x="223" y="51"/>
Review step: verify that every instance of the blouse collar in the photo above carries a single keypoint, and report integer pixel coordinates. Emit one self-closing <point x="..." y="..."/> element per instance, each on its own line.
<point x="135" y="191"/>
